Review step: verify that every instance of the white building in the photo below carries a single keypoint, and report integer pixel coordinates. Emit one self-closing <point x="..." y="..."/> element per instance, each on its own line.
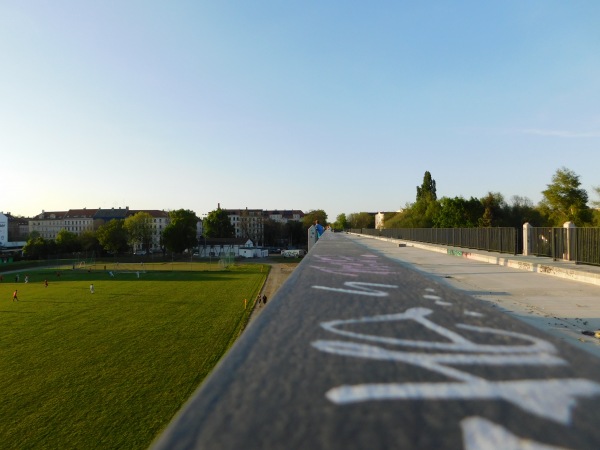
<point x="380" y="218"/>
<point x="3" y="230"/>
<point x="216" y="247"/>
<point x="5" y="233"/>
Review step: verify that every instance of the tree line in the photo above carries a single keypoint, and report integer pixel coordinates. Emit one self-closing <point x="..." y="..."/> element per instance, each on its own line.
<point x="564" y="200"/>
<point x="121" y="236"/>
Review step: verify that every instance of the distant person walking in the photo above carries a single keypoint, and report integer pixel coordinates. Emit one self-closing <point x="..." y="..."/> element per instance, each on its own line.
<point x="15" y="297"/>
<point x="91" y="288"/>
<point x="45" y="283"/>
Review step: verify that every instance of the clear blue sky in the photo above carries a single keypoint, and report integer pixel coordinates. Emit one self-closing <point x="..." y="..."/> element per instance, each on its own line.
<point x="340" y="106"/>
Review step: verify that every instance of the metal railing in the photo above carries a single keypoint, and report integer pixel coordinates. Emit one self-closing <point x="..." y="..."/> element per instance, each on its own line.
<point x="502" y="239"/>
<point x="581" y="245"/>
<point x="586" y="245"/>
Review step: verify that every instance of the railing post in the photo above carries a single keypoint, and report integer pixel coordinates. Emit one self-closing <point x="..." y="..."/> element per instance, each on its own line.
<point x="569" y="227"/>
<point x="527" y="239"/>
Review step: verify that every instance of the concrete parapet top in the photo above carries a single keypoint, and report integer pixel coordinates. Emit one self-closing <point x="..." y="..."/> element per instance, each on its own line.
<point x="359" y="350"/>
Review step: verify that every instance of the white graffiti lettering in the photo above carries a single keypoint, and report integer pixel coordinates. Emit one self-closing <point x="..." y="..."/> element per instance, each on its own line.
<point x="481" y="434"/>
<point x="442" y="303"/>
<point x="551" y="399"/>
<point x="548" y="398"/>
<point x="457" y="342"/>
<point x="435" y="361"/>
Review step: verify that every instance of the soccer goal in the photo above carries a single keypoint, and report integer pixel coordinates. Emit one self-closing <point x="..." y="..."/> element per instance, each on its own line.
<point x="226" y="259"/>
<point x="128" y="268"/>
<point x="85" y="261"/>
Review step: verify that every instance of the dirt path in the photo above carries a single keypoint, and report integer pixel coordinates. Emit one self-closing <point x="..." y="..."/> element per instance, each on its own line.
<point x="280" y="271"/>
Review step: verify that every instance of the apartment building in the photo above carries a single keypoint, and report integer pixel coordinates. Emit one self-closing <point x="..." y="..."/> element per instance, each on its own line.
<point x="49" y="223"/>
<point x="248" y="223"/>
<point x="160" y="220"/>
<point x="284" y="216"/>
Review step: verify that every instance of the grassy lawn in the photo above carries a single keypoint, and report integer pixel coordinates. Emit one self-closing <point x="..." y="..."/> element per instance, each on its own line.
<point x="110" y="369"/>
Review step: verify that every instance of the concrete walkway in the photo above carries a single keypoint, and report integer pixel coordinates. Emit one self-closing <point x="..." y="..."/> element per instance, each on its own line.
<point x="547" y="266"/>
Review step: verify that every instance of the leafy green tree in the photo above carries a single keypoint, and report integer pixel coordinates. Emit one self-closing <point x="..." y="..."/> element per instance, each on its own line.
<point x="494" y="208"/>
<point x="139" y="229"/>
<point x="67" y="242"/>
<point x="521" y="210"/>
<point x="89" y="241"/>
<point x="309" y="218"/>
<point x="218" y="225"/>
<point x="273" y="232"/>
<point x="564" y="200"/>
<point x="341" y="223"/>
<point x="420" y="214"/>
<point x="112" y="236"/>
<point x="295" y="234"/>
<point x="282" y="235"/>
<point x="361" y="220"/>
<point x="395" y="219"/>
<point x="458" y="213"/>
<point x="180" y="234"/>
<point x="38" y="248"/>
<point x="427" y="190"/>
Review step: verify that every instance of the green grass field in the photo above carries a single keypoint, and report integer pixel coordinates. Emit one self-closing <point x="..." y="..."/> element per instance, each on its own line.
<point x="110" y="369"/>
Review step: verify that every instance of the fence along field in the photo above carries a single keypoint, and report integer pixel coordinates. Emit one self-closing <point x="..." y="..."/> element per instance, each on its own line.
<point x="110" y="369"/>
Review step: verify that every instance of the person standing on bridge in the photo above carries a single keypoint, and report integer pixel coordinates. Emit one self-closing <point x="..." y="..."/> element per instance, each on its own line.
<point x="318" y="228"/>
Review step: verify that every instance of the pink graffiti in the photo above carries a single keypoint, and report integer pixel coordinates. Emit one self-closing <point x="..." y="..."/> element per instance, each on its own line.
<point x="352" y="267"/>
